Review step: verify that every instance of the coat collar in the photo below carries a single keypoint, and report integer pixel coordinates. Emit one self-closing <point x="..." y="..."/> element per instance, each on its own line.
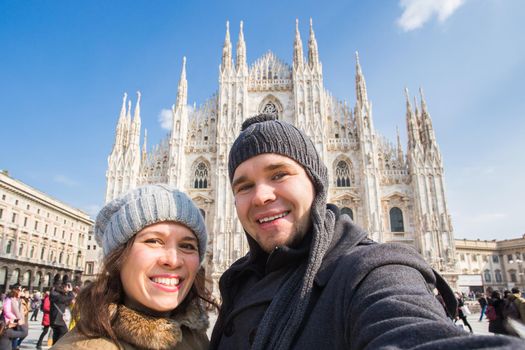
<point x="150" y="332"/>
<point x="346" y="236"/>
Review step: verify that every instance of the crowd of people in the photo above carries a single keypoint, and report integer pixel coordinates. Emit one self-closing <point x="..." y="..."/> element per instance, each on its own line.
<point x="312" y="279"/>
<point x="20" y="306"/>
<point x="505" y="311"/>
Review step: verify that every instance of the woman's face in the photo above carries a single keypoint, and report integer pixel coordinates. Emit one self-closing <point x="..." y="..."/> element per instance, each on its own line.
<point x="161" y="267"/>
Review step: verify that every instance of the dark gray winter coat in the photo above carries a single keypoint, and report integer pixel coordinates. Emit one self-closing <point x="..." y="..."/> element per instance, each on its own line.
<point x="366" y="296"/>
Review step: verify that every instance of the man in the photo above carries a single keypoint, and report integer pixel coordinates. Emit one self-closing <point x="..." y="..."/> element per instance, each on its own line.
<point x="312" y="279"/>
<point x="483" y="303"/>
<point x="60" y="298"/>
<point x="519" y="304"/>
<point x="36" y="300"/>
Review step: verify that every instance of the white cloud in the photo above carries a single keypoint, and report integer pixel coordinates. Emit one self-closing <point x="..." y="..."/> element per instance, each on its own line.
<point x="64" y="180"/>
<point x="418" y="12"/>
<point x="166" y="119"/>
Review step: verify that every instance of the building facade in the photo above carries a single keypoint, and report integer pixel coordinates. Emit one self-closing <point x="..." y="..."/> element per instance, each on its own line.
<point x="496" y="264"/>
<point x="42" y="240"/>
<point x="397" y="195"/>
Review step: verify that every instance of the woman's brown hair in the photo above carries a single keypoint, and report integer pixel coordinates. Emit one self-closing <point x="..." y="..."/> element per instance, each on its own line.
<point x="92" y="309"/>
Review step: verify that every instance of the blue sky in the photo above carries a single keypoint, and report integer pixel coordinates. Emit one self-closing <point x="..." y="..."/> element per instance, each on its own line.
<point x="64" y="66"/>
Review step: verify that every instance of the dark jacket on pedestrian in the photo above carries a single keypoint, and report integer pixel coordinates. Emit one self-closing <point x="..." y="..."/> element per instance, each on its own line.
<point x="365" y="295"/>
<point x="59" y="302"/>
<point x="498" y="325"/>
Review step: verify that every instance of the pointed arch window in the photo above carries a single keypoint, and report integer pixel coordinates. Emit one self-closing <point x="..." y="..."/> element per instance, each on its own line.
<point x="342" y="174"/>
<point x="396" y="220"/>
<point x="201" y="179"/>
<point x="348" y="212"/>
<point x="270" y="108"/>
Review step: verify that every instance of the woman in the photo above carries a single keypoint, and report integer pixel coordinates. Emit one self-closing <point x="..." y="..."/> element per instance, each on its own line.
<point x="150" y="292"/>
<point x="46" y="320"/>
<point x="12" y="312"/>
<point x="497" y="319"/>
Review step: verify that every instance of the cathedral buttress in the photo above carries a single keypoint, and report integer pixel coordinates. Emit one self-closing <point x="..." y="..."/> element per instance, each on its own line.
<point x="368" y="151"/>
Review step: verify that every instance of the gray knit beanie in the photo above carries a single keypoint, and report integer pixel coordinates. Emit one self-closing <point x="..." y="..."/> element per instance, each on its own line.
<point x="264" y="134"/>
<point x="126" y="215"/>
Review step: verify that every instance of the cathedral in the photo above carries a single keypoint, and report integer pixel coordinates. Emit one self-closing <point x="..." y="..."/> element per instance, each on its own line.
<point x="396" y="195"/>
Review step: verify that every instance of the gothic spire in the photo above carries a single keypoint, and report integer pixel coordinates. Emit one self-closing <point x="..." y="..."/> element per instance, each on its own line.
<point x="240" y="61"/>
<point x="412" y="127"/>
<point x="182" y="92"/>
<point x="136" y="116"/>
<point x="399" y="148"/>
<point x="123" y="109"/>
<point x="313" y="53"/>
<point x="227" y="50"/>
<point x="121" y="124"/>
<point x="144" y="146"/>
<point x="426" y="121"/>
<point x="298" y="59"/>
<point x="360" y="84"/>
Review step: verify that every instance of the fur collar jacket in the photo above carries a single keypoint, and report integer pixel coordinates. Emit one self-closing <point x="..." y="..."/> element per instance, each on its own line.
<point x="136" y="330"/>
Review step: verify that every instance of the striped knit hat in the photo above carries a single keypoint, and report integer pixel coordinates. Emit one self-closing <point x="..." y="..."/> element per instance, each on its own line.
<point x="126" y="215"/>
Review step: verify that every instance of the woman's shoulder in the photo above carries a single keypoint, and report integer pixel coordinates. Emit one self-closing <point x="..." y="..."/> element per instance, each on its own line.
<point x="78" y="341"/>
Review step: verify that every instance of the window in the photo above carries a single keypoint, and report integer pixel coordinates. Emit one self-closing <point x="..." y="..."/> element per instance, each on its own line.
<point x="487" y="276"/>
<point x="3" y="197"/>
<point x="25" y="221"/>
<point x="495" y="259"/>
<point x="13" y="218"/>
<point x="63" y="234"/>
<point x="36" y="225"/>
<point x="94" y="247"/>
<point x="474" y="257"/>
<point x="28" y="207"/>
<point x="16" y="202"/>
<point x="348" y="212"/>
<point x="1" y="212"/>
<point x="42" y="253"/>
<point x="8" y="247"/>
<point x="88" y="247"/>
<point x="201" y="176"/>
<point x="509" y="258"/>
<point x="32" y="251"/>
<point x="518" y="256"/>
<point x="498" y="276"/>
<point x="396" y="220"/>
<point x="89" y="238"/>
<point x="55" y="231"/>
<point x="462" y="257"/>
<point x="45" y="229"/>
<point x="512" y="274"/>
<point x="21" y="249"/>
<point x="89" y="268"/>
<point x="485" y="258"/>
<point x="342" y="174"/>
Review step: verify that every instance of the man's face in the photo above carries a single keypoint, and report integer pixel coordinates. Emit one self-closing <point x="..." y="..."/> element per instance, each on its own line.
<point x="273" y="197"/>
